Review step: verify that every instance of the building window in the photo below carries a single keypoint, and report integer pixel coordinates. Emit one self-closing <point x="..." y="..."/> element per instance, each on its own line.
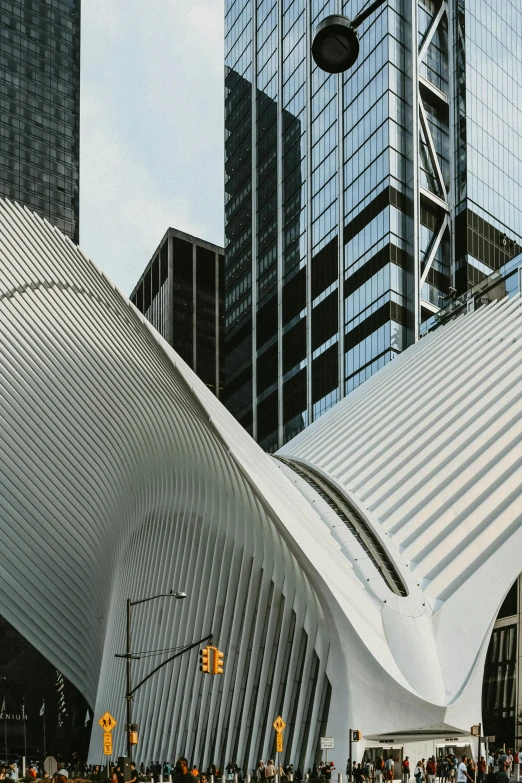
<point x="498" y="689"/>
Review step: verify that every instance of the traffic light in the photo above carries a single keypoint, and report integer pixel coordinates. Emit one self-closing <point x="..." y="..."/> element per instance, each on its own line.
<point x="204" y="660"/>
<point x="218" y="662"/>
<point x="356" y="735"/>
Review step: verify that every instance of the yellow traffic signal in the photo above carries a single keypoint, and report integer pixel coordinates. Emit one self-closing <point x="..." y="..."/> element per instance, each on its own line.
<point x="356" y="735"/>
<point x="218" y="662"/>
<point x="204" y="660"/>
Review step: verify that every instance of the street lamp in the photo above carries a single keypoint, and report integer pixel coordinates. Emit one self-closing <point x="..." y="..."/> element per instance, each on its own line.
<point x="129" y="657"/>
<point x="335" y="47"/>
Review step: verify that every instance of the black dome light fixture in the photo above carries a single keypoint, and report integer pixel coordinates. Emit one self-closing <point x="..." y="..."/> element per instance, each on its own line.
<point x="335" y="47"/>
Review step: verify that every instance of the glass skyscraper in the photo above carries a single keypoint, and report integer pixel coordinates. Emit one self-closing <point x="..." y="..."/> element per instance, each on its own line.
<point x="40" y="108"/>
<point x="356" y="204"/>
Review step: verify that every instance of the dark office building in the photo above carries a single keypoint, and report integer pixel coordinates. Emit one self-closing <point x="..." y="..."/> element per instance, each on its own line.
<point x="356" y="202"/>
<point x="39" y="167"/>
<point x="181" y="294"/>
<point x="28" y="682"/>
<point x="40" y="108"/>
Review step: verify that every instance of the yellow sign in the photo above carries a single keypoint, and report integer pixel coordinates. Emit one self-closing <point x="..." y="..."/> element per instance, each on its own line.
<point x="107" y="743"/>
<point x="279" y="742"/>
<point x="279" y="725"/>
<point x="107" y="722"/>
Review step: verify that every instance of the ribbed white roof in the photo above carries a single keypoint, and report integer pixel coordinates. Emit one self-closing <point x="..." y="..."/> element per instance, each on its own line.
<point x="431" y="446"/>
<point x="121" y="476"/>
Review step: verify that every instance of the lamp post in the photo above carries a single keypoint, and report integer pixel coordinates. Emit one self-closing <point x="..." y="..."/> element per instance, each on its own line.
<point x="335" y="47"/>
<point x="129" y="658"/>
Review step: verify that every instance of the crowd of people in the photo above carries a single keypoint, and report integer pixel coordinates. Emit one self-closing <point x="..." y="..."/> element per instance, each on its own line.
<point x="498" y="767"/>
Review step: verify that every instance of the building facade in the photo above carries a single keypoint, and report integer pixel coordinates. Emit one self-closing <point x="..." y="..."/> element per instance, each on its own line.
<point x="340" y="574"/>
<point x="40" y="108"/>
<point x="355" y="202"/>
<point x="502" y="687"/>
<point x="181" y="294"/>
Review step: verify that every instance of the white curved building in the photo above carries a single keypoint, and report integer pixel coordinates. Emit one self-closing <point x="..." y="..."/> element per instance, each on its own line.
<point x="352" y="580"/>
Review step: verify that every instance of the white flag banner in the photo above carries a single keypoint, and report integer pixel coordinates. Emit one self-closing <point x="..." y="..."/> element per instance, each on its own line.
<point x="42" y="709"/>
<point x="87" y="717"/>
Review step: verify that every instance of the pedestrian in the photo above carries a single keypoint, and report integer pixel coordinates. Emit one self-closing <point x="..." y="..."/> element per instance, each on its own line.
<point x="418" y="772"/>
<point x="503" y="776"/>
<point x="389" y="767"/>
<point x="182" y="774"/>
<point x="462" y="772"/>
<point x="358" y="774"/>
<point x="431" y="769"/>
<point x="406" y="770"/>
<point x="379" y="770"/>
<point x="270" y="770"/>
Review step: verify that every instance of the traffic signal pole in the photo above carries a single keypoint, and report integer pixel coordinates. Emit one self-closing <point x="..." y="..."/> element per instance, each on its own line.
<point x="185" y="649"/>
<point x="128" y="693"/>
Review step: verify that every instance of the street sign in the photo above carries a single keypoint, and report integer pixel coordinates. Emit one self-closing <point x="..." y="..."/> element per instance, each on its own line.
<point x="327" y="743"/>
<point x="107" y="722"/>
<point x="279" y="725"/>
<point x="279" y="742"/>
<point x="107" y="743"/>
<point x="50" y="765"/>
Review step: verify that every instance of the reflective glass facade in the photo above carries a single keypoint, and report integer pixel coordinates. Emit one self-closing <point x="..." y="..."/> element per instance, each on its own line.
<point x="348" y="197"/>
<point x="488" y="226"/>
<point x="181" y="294"/>
<point x="40" y="108"/>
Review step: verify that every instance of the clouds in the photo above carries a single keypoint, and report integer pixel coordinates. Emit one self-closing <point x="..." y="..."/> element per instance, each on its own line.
<point x="152" y="128"/>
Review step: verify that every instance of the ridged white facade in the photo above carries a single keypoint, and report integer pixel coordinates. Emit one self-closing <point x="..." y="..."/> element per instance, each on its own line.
<point x="352" y="580"/>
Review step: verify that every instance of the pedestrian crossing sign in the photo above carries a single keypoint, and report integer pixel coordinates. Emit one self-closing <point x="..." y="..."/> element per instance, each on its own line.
<point x="279" y="725"/>
<point x="107" y="722"/>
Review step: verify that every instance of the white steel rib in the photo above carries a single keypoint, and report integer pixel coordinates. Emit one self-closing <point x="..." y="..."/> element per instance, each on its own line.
<point x="122" y="476"/>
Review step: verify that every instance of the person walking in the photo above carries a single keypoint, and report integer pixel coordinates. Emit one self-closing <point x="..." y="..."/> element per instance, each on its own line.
<point x="182" y="774"/>
<point x="463" y="775"/>
<point x="379" y="770"/>
<point x="389" y="767"/>
<point x="503" y="776"/>
<point x="358" y="774"/>
<point x="406" y="770"/>
<point x="270" y="770"/>
<point x="431" y="769"/>
<point x="418" y="772"/>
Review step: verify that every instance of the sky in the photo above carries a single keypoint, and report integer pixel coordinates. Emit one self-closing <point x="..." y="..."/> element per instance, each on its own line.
<point x="151" y="145"/>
